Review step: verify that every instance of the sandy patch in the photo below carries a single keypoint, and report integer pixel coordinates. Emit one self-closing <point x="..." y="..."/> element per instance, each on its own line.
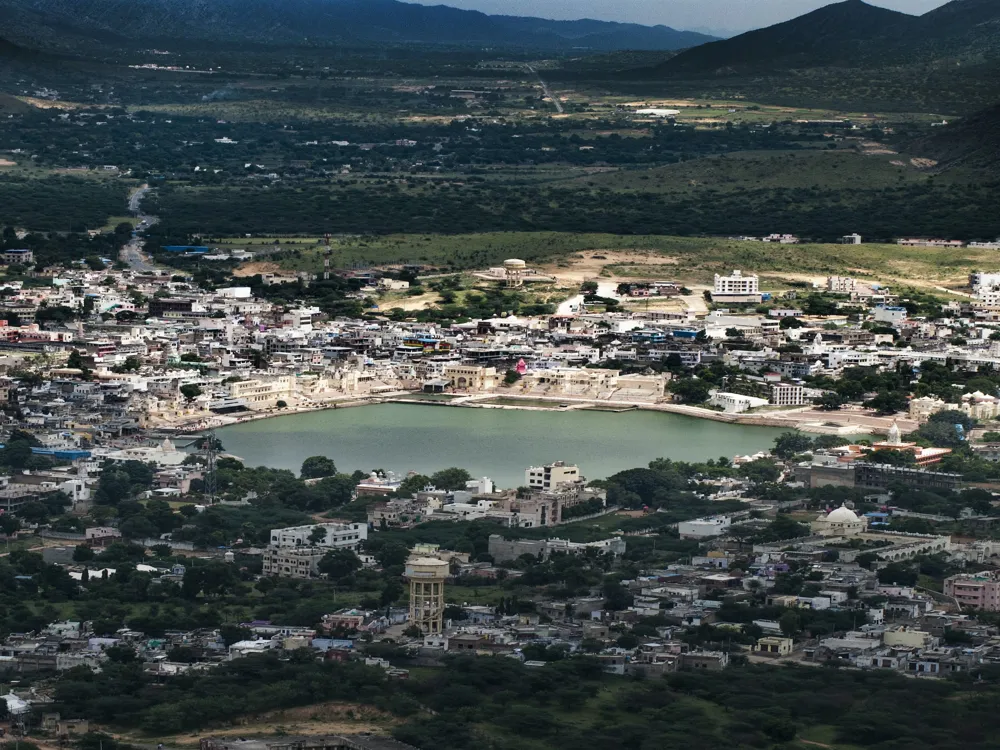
<point x="7" y="163"/>
<point x="256" y="267"/>
<point x="409" y="304"/>
<point x="318" y="719"/>
<point x="48" y="103"/>
<point x="589" y="264"/>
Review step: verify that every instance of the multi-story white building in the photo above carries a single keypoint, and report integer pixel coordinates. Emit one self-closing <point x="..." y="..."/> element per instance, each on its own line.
<point x="338" y="535"/>
<point x="788" y="395"/>
<point x="841" y="284"/>
<point x="979" y="280"/>
<point x="24" y="257"/>
<point x="551" y="476"/>
<point x="890" y="315"/>
<point x="736" y="288"/>
<point x="291" y="562"/>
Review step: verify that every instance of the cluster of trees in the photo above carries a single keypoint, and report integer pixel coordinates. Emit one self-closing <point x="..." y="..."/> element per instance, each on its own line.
<point x="59" y="204"/>
<point x="477" y="207"/>
<point x="153" y="146"/>
<point x="570" y="702"/>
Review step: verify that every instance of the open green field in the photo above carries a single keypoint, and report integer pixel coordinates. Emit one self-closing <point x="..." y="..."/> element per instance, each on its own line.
<point x="830" y="170"/>
<point x="689" y="259"/>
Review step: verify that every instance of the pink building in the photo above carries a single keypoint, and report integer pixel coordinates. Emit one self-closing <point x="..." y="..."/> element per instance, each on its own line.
<point x="976" y="590"/>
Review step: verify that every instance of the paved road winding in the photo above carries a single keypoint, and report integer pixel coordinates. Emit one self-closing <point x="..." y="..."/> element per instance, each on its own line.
<point x="131" y="251"/>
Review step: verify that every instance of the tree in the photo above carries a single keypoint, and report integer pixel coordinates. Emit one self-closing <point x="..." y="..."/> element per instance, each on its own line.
<point x="790" y="624"/>
<point x="412" y="485"/>
<point x="830" y="401"/>
<point x="315" y="467"/>
<point x="888" y="402"/>
<point x="75" y="361"/>
<point x="511" y="377"/>
<point x="787" y="444"/>
<point x="761" y="471"/>
<point x="790" y="322"/>
<point x="673" y="362"/>
<point x="317" y="535"/>
<point x="690" y="390"/>
<point x="82" y="553"/>
<point x="190" y="391"/>
<point x="451" y="479"/>
<point x="339" y="563"/>
<point x="898" y="574"/>
<point x="392" y="554"/>
<point x="391" y="592"/>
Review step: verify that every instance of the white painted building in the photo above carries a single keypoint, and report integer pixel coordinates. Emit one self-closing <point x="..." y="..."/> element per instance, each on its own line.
<point x="890" y="315"/>
<point x="736" y="285"/>
<point x="736" y="403"/>
<point x="701" y="528"/>
<point x="338" y="535"/>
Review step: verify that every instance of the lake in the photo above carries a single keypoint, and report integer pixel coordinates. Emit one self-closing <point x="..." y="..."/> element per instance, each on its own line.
<point x="498" y="443"/>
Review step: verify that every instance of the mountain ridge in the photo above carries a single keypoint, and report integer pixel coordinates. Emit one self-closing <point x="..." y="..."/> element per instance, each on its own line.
<point x="328" y="21"/>
<point x="847" y="34"/>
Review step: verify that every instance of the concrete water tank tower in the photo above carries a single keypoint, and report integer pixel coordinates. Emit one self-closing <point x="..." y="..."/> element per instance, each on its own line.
<point x="426" y="576"/>
<point x="514" y="272"/>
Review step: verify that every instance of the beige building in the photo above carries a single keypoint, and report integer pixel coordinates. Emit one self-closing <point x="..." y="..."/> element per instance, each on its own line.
<point x="291" y="562"/>
<point x="904" y="637"/>
<point x="263" y="394"/>
<point x="551" y="477"/>
<point x="471" y="377"/>
<point x="427" y="576"/>
<point x="595" y="384"/>
<point x="774" y="646"/>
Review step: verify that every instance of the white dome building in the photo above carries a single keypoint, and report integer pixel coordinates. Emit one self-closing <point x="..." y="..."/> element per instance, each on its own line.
<point x="841" y="521"/>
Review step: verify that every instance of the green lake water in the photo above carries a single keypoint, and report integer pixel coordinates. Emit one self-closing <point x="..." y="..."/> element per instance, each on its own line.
<point x="497" y="443"/>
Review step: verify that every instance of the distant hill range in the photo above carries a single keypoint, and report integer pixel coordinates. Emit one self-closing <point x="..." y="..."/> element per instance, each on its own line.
<point x="851" y="34"/>
<point x="973" y="142"/>
<point x="319" y="22"/>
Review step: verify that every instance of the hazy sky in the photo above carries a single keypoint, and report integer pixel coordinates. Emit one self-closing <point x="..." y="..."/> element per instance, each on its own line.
<point x="732" y="15"/>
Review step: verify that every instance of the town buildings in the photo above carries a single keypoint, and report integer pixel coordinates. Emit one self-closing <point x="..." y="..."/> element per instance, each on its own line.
<point x="975" y="590"/>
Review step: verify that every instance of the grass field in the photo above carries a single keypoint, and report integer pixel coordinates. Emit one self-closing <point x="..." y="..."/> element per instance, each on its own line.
<point x="829" y="170"/>
<point x="688" y="259"/>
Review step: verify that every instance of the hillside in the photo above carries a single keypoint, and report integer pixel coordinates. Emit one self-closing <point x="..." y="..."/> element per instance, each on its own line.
<point x="324" y="22"/>
<point x="851" y="34"/>
<point x="829" y="35"/>
<point x="972" y="142"/>
<point x="966" y="28"/>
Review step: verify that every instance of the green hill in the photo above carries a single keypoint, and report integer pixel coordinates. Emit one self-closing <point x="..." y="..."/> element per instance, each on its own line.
<point x="852" y="34"/>
<point x="834" y="34"/>
<point x="325" y="22"/>
<point x="972" y="142"/>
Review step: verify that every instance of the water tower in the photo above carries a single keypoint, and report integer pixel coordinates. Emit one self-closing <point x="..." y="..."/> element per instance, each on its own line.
<point x="514" y="272"/>
<point x="426" y="576"/>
